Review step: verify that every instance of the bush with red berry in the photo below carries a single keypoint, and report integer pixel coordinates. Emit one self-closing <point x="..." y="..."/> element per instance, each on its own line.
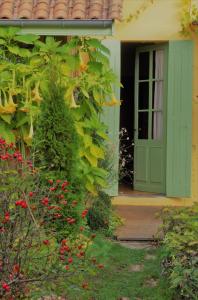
<point x="41" y="228"/>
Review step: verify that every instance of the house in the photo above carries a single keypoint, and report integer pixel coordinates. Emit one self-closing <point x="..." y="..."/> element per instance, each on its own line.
<point x="158" y="67"/>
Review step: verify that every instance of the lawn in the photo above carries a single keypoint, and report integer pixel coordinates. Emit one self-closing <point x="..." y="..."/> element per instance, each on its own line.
<point x="133" y="274"/>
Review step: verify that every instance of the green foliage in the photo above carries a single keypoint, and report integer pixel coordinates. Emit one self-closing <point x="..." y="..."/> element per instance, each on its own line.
<point x="56" y="140"/>
<point x="42" y="240"/>
<point x="180" y="227"/>
<point x="189" y="15"/>
<point x="86" y="83"/>
<point x="99" y="212"/>
<point x="116" y="280"/>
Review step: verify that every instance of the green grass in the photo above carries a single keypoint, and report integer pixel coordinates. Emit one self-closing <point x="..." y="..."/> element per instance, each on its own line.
<point x="116" y="280"/>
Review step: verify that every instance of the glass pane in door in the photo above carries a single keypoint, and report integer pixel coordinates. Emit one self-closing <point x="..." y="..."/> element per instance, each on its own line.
<point x="143" y="95"/>
<point x="157" y="125"/>
<point x="143" y="118"/>
<point x="143" y="65"/>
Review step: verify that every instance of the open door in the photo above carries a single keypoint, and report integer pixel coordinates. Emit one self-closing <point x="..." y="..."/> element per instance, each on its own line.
<point x="111" y="116"/>
<point x="150" y="119"/>
<point x="179" y="119"/>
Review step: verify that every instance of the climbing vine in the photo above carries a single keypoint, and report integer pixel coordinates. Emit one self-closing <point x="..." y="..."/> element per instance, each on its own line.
<point x="135" y="15"/>
<point x="189" y="15"/>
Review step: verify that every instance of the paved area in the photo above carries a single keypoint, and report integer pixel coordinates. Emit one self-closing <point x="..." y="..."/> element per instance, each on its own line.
<point x="140" y="222"/>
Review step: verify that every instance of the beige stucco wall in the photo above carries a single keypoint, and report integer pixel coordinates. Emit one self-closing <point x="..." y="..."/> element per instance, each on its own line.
<point x="160" y="21"/>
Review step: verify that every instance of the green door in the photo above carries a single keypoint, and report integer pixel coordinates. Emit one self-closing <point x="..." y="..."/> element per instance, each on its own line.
<point x="150" y="119"/>
<point x="111" y="117"/>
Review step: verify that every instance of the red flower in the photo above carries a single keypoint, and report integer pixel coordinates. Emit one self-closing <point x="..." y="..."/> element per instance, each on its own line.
<point x="16" y="268"/>
<point x="24" y="204"/>
<point x="21" y="203"/>
<point x="45" y="201"/>
<point x="84" y="213"/>
<point x="74" y="203"/>
<point x="100" y="266"/>
<point x="63" y="242"/>
<point x="67" y="267"/>
<point x="66" y="248"/>
<point x="85" y="285"/>
<point x="46" y="242"/>
<point x="81" y="228"/>
<point x="7" y="217"/>
<point x="65" y="183"/>
<point x="71" y="221"/>
<point x="57" y="216"/>
<point x="70" y="260"/>
<point x="5" y="286"/>
<point x="31" y="194"/>
<point x="52" y="189"/>
<point x="50" y="181"/>
<point x="19" y="158"/>
<point x="64" y="202"/>
<point x="58" y="181"/>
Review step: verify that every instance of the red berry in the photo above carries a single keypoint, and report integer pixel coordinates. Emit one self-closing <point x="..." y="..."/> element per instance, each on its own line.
<point x="85" y="285"/>
<point x="100" y="266"/>
<point x="31" y="194"/>
<point x="46" y="242"/>
<point x="63" y="242"/>
<point x="70" y="260"/>
<point x="67" y="267"/>
<point x="5" y="286"/>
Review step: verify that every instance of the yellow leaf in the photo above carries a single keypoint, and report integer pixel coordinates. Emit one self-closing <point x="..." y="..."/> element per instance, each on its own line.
<point x="91" y="188"/>
<point x="97" y="151"/>
<point x="80" y="130"/>
<point x="92" y="160"/>
<point x="87" y="139"/>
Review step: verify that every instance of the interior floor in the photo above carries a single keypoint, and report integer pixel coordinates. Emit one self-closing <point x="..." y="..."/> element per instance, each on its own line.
<point x="127" y="190"/>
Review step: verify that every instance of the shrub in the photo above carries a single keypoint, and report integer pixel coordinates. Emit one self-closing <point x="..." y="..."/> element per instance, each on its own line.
<point x="99" y="212"/>
<point x="180" y="228"/>
<point x="55" y="139"/>
<point x="32" y="252"/>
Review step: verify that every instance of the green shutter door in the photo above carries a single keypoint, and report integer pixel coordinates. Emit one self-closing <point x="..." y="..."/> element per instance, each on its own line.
<point x="111" y="116"/>
<point x="150" y="119"/>
<point x="179" y="119"/>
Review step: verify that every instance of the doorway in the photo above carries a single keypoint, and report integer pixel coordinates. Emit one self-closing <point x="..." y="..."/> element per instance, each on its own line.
<point x="142" y="118"/>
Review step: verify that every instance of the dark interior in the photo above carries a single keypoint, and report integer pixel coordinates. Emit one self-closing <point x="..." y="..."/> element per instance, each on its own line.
<point x="128" y="51"/>
<point x="127" y="112"/>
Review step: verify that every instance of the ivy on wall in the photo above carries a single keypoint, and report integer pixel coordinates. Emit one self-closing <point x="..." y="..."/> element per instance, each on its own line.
<point x="141" y="9"/>
<point x="189" y="15"/>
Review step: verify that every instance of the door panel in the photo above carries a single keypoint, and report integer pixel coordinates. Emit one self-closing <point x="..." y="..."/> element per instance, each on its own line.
<point x="111" y="116"/>
<point x="150" y="117"/>
<point x="141" y="162"/>
<point x="179" y="118"/>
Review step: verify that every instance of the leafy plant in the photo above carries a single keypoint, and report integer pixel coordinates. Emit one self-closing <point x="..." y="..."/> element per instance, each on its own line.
<point x="99" y="212"/>
<point x="40" y="229"/>
<point x="86" y="82"/>
<point x="189" y="15"/>
<point x="180" y="228"/>
<point x="56" y="141"/>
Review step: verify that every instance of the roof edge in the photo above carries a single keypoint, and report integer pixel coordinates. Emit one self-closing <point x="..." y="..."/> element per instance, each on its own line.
<point x="59" y="23"/>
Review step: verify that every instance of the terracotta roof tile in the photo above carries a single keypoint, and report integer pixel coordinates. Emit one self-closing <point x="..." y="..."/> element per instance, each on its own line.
<point x="60" y="9"/>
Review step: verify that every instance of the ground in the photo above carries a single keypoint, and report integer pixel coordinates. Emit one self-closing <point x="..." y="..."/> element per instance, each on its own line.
<point x="132" y="271"/>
